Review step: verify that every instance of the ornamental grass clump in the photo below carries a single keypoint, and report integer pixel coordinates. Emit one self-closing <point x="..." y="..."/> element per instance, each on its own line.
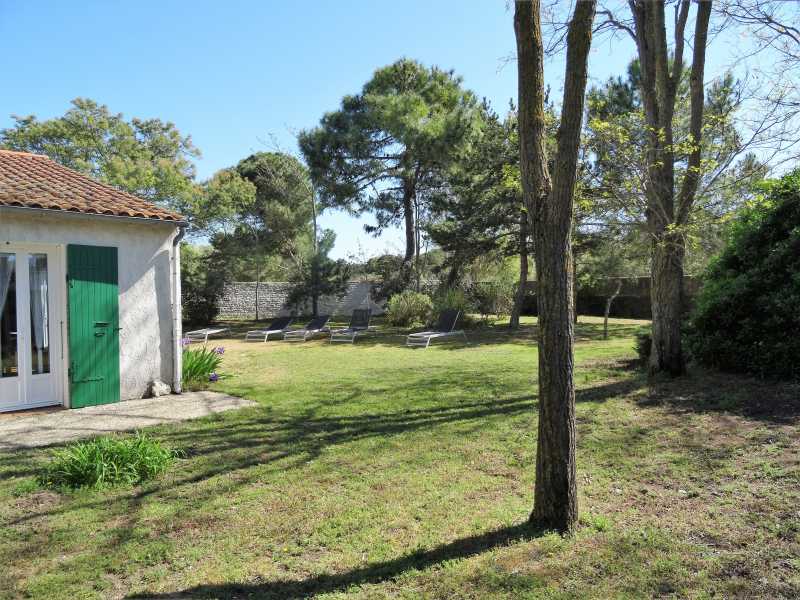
<point x="201" y="366"/>
<point x="107" y="462"/>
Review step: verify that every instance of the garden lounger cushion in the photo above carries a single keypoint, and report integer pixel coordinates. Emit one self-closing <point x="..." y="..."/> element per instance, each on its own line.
<point x="313" y="327"/>
<point x="278" y="326"/>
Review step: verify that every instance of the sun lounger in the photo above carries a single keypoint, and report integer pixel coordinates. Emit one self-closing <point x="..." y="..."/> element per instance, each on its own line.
<point x="444" y="329"/>
<point x="316" y="326"/>
<point x="278" y="327"/>
<point x="359" y="325"/>
<point x="202" y="335"/>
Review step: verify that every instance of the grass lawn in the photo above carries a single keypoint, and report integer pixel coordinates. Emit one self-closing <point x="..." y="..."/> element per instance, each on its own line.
<point x="374" y="471"/>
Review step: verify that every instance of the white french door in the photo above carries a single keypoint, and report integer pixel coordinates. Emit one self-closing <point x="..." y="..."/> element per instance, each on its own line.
<point x="30" y="327"/>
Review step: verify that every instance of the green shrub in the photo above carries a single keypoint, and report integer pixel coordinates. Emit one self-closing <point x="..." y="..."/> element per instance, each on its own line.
<point x="108" y="461"/>
<point x="453" y="298"/>
<point x="200" y="365"/>
<point x="493" y="297"/>
<point x="747" y="315"/>
<point x="644" y="345"/>
<point x="409" y="308"/>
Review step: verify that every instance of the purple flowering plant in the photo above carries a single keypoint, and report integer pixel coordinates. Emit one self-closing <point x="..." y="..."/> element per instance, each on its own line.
<point x="200" y="366"/>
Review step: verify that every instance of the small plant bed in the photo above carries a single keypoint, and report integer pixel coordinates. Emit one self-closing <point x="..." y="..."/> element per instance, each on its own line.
<point x="201" y="366"/>
<point x="107" y="462"/>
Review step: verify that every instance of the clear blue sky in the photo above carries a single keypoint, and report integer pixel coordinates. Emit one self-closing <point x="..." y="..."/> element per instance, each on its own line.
<point x="234" y="74"/>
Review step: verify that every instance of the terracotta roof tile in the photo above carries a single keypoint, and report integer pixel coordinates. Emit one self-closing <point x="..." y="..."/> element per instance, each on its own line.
<point x="34" y="181"/>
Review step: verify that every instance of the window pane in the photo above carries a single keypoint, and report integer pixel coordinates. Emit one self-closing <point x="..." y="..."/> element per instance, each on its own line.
<point x="40" y="314"/>
<point x="8" y="316"/>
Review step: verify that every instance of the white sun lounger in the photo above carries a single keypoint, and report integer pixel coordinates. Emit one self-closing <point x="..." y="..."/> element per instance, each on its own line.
<point x="359" y="325"/>
<point x="278" y="327"/>
<point x="202" y="335"/>
<point x="445" y="329"/>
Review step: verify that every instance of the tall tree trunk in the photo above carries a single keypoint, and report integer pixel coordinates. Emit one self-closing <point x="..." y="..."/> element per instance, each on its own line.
<point x="666" y="302"/>
<point x="609" y="302"/>
<point x="410" y="231"/>
<point x="454" y="272"/>
<point x="315" y="261"/>
<point x="574" y="288"/>
<point x="417" y="274"/>
<point x="667" y="218"/>
<point x="258" y="284"/>
<point x="519" y="298"/>
<point x="555" y="494"/>
<point x="408" y="215"/>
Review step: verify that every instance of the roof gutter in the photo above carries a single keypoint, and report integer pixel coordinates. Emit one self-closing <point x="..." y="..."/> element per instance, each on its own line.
<point x="82" y="215"/>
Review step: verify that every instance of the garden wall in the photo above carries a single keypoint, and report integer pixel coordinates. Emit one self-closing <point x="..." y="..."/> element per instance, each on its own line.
<point x="633" y="301"/>
<point x="239" y="300"/>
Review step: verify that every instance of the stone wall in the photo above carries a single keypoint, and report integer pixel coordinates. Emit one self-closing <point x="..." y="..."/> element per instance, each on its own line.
<point x="239" y="300"/>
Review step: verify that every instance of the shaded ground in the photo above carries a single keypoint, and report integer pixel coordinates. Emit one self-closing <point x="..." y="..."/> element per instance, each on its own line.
<point x="45" y="428"/>
<point x="373" y="471"/>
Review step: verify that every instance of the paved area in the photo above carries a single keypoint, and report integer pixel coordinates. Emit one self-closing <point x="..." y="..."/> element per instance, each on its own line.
<point x="42" y="428"/>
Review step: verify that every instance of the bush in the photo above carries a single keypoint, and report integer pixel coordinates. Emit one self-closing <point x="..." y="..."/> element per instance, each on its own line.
<point x="202" y="284"/>
<point x="453" y="298"/>
<point x="747" y="314"/>
<point x="108" y="461"/>
<point x="408" y="309"/>
<point x="200" y="366"/>
<point x="493" y="297"/>
<point x="644" y="345"/>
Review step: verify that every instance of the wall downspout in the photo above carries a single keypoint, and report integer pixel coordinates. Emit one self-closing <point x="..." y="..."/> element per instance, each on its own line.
<point x="177" y="315"/>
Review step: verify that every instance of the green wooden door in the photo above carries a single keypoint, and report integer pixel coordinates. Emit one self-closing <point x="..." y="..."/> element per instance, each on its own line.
<point x="93" y="289"/>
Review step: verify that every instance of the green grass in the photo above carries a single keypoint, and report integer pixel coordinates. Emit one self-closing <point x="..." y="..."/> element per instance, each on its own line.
<point x="107" y="461"/>
<point x="372" y="471"/>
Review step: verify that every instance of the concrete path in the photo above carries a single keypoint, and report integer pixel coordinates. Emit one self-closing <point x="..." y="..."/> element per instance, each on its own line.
<point x="55" y="427"/>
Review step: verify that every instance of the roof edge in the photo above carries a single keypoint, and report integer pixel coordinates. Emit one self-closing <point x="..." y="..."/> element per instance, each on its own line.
<point x="87" y="215"/>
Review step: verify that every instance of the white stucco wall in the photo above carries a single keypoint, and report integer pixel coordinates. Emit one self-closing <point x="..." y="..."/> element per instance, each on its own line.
<point x="145" y="283"/>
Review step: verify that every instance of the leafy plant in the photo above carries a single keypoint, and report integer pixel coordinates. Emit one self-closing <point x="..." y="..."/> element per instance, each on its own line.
<point x="746" y="315"/>
<point x="493" y="297"/>
<point x="409" y="308"/>
<point x="108" y="461"/>
<point x="200" y="366"/>
<point x="452" y="298"/>
<point x="643" y="345"/>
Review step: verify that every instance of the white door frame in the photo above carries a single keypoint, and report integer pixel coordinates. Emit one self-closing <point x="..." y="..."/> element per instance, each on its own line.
<point x="34" y="392"/>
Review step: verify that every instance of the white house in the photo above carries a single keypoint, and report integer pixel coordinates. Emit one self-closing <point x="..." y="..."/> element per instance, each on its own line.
<point x="89" y="288"/>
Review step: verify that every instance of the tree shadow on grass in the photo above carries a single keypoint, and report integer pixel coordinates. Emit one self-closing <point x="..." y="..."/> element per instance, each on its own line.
<point x="705" y="391"/>
<point x="369" y="574"/>
<point x="225" y="444"/>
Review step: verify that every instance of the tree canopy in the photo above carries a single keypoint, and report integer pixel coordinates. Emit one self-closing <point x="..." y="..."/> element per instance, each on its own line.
<point x="146" y="157"/>
<point x="385" y="146"/>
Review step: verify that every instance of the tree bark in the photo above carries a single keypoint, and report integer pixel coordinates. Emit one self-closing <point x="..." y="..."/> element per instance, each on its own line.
<point x="666" y="219"/>
<point x="519" y="298"/>
<point x="666" y="302"/>
<point x="315" y="262"/>
<point x="609" y="302"/>
<point x="258" y="284"/>
<point x="410" y="231"/>
<point x="551" y="205"/>
<point x="408" y="215"/>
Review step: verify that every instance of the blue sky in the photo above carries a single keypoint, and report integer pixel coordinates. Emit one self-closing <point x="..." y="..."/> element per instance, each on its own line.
<point x="236" y="75"/>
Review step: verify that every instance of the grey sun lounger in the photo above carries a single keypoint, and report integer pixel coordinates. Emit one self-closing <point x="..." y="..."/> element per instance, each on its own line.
<point x="202" y="335"/>
<point x="444" y="329"/>
<point x="316" y="326"/>
<point x="278" y="327"/>
<point x="359" y="325"/>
